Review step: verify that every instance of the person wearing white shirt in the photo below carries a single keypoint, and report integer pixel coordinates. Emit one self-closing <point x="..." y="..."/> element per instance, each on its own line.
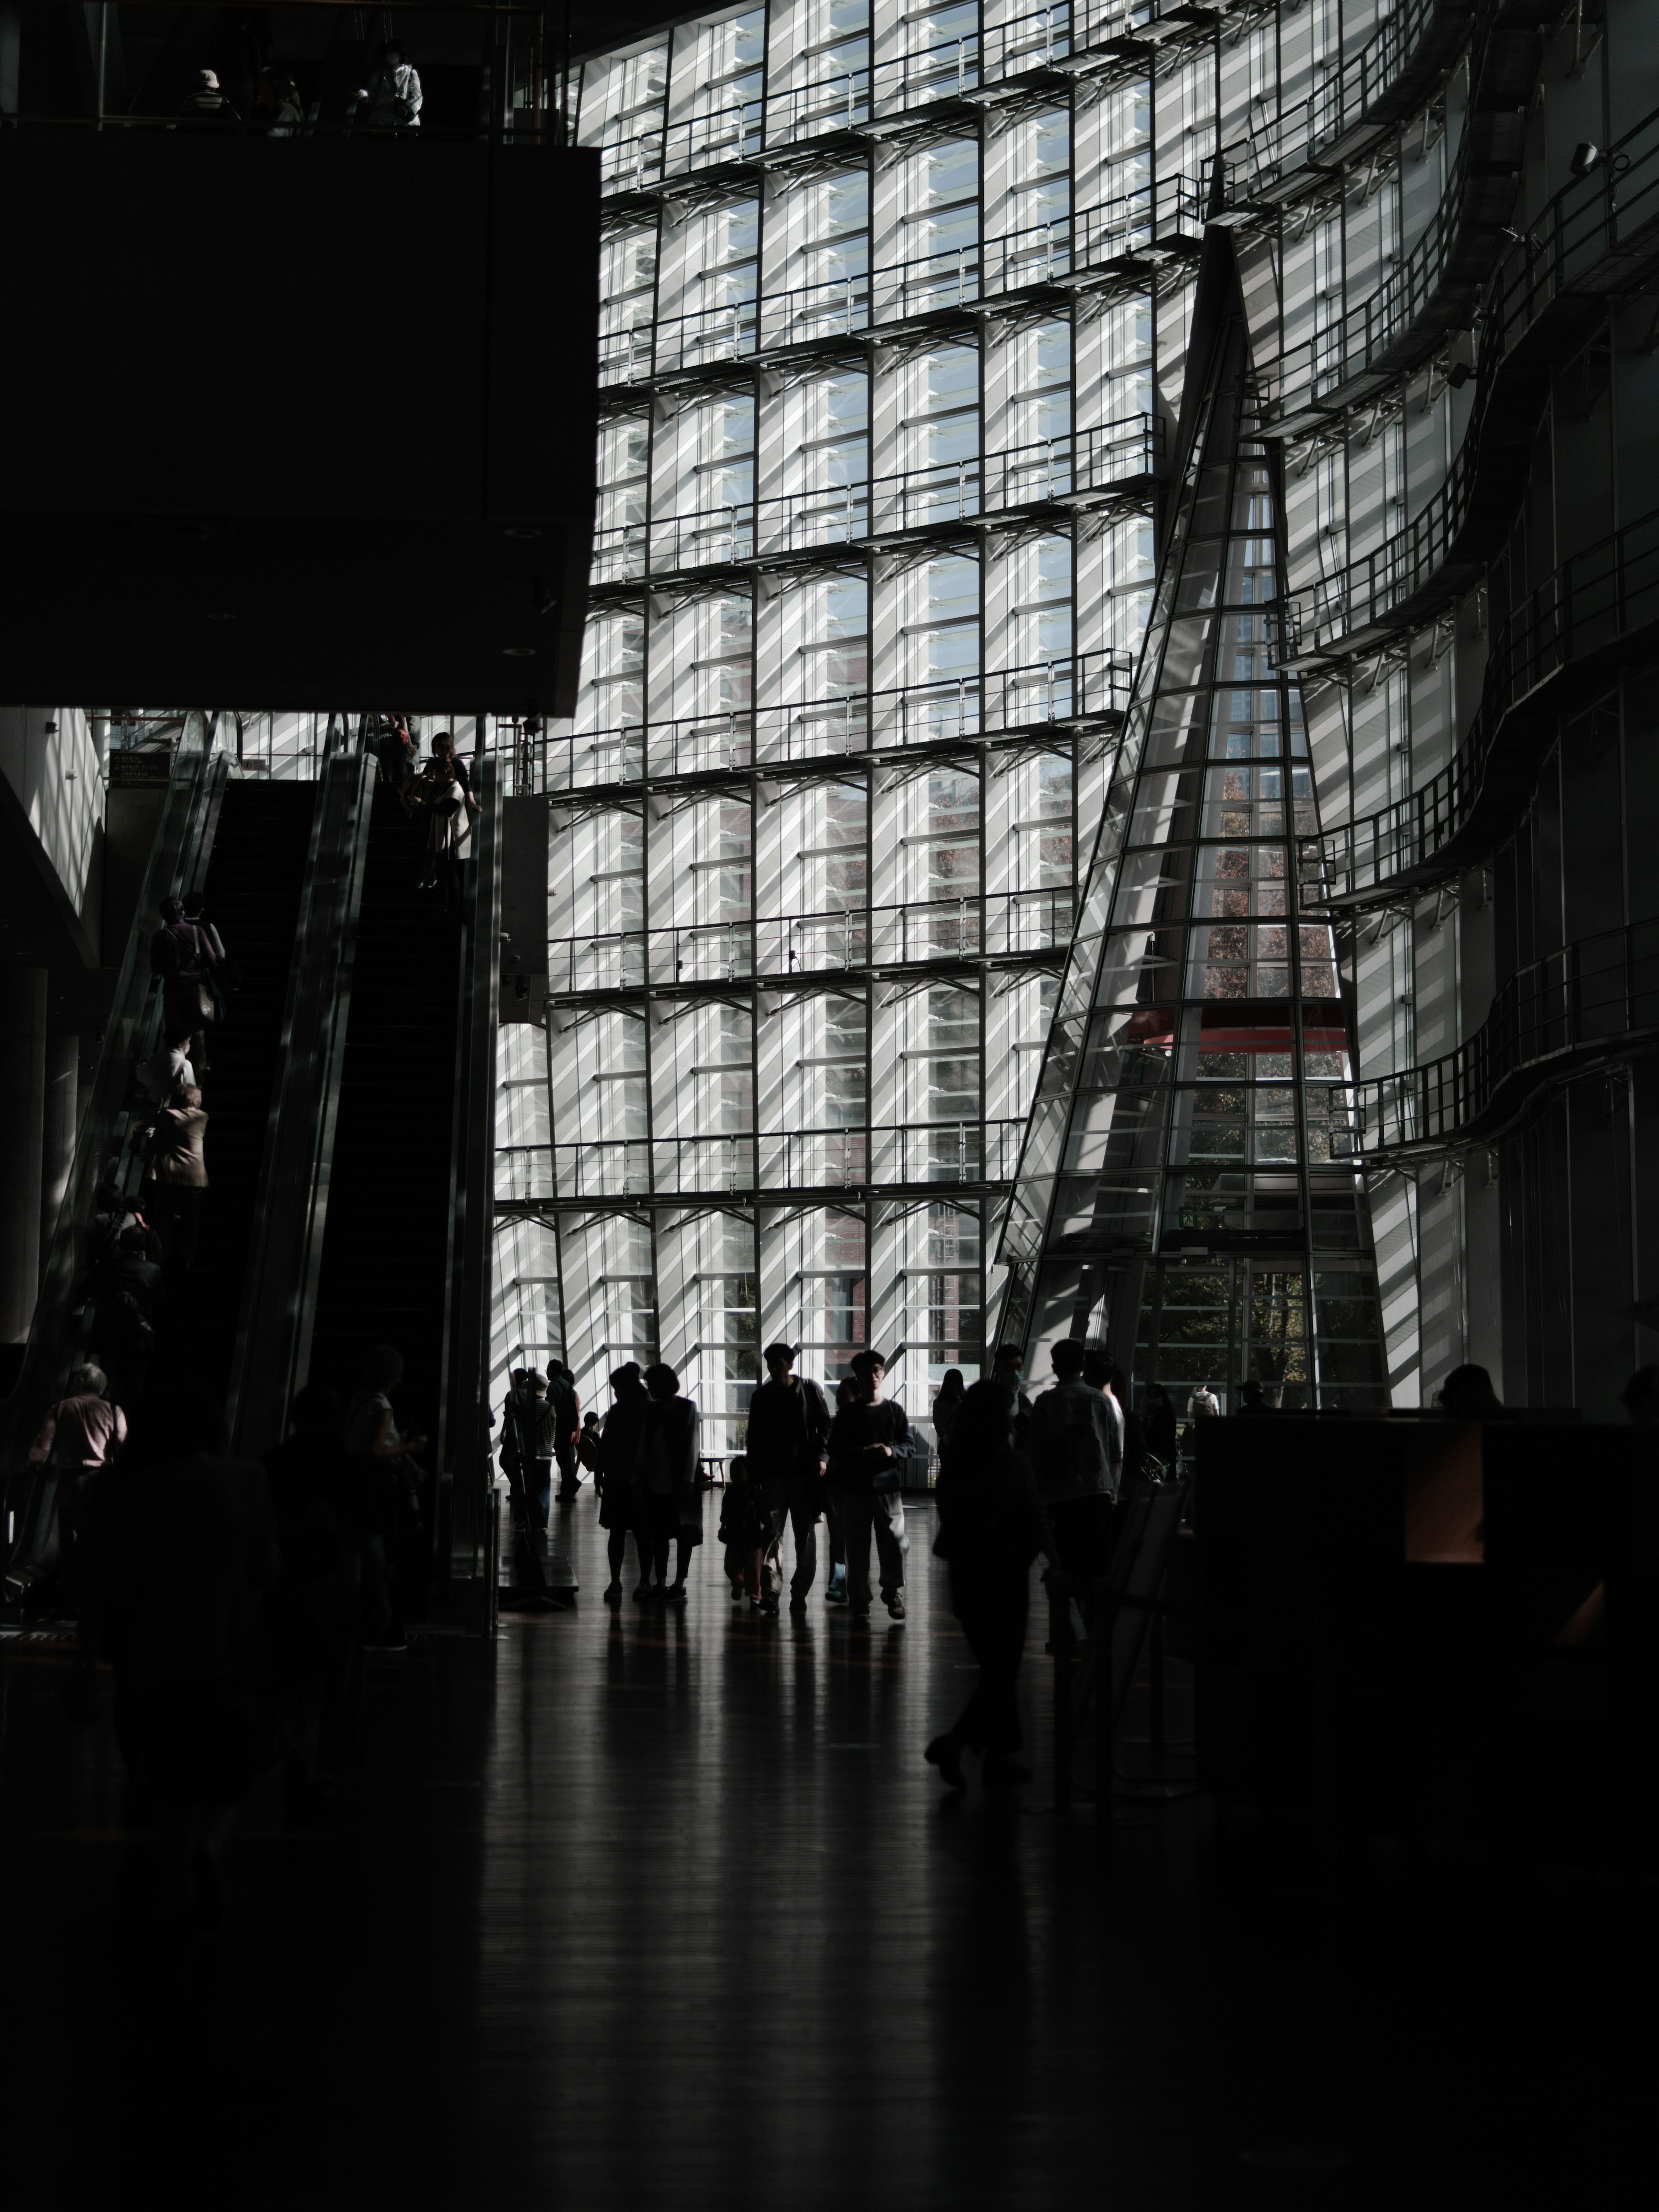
<point x="394" y="96"/>
<point x="165" y="1069"/>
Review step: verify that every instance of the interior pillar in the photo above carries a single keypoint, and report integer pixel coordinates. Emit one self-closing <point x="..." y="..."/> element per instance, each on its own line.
<point x="22" y="1114"/>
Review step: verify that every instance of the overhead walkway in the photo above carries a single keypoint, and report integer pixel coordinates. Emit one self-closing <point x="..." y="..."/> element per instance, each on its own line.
<point x="350" y="1100"/>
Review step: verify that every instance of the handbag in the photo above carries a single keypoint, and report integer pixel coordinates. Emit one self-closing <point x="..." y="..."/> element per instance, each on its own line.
<point x="207" y="1006"/>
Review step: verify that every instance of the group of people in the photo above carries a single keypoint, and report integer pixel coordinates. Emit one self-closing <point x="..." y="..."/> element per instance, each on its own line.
<point x="1018" y="1475"/>
<point x="235" y="1599"/>
<point x="440" y="786"/>
<point x="390" y="102"/>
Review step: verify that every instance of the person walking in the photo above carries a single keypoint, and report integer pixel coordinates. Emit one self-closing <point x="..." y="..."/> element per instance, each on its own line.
<point x="870" y="1445"/>
<point x="1158" y="1416"/>
<point x="991" y="1529"/>
<point x="668" y="1473"/>
<point x="787" y="1449"/>
<point x="177" y="1169"/>
<point x="381" y="1452"/>
<point x="1076" y="1454"/>
<point x="621" y="1502"/>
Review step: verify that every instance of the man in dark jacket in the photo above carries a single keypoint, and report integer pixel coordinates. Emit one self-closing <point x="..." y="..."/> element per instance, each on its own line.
<point x="788" y="1452"/>
<point x="870" y="1445"/>
<point x="207" y="108"/>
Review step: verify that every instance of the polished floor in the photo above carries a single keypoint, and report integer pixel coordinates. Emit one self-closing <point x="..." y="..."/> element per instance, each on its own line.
<point x="668" y="1911"/>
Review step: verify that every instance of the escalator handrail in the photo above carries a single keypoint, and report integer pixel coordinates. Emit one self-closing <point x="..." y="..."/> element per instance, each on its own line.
<point x="55" y="1346"/>
<point x="279" y="1294"/>
<point x="463" y="1455"/>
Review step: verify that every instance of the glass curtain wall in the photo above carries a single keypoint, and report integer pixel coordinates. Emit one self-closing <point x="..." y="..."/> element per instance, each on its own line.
<point x="1189" y="1195"/>
<point x="896" y="306"/>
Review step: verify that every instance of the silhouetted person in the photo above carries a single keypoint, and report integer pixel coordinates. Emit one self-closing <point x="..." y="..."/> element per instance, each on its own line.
<point x="536" y="1425"/>
<point x="1157" y="1415"/>
<point x="1252" y="1399"/>
<point x="447" y="829"/>
<point x="222" y="973"/>
<point x="870" y="1445"/>
<point x="1005" y="1370"/>
<point x="668" y="1477"/>
<point x="381" y="1454"/>
<point x="1073" y="1449"/>
<point x="565" y="1407"/>
<point x="205" y="1559"/>
<point x="315" y="1613"/>
<point x="206" y="108"/>
<point x="621" y="1506"/>
<point x="277" y="112"/>
<point x="788" y="1453"/>
<point x="181" y="954"/>
<point x="1640" y="1397"/>
<point x="748" y="1531"/>
<point x="991" y="1529"/>
<point x="177" y="1167"/>
<point x="947" y="1404"/>
<point x="1467" y="1396"/>
<point x="132" y="1299"/>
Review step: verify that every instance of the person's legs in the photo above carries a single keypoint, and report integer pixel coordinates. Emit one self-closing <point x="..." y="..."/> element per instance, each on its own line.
<point x="803" y="1520"/>
<point x="527" y="1576"/>
<point x="566" y="1454"/>
<point x="685" y="1543"/>
<point x="889" y="1523"/>
<point x="615" y="1550"/>
<point x="541" y="1491"/>
<point x="858" y="1512"/>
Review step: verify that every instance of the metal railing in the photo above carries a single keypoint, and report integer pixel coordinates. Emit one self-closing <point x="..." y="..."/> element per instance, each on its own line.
<point x="1586" y="221"/>
<point x="1085" y="686"/>
<point x="975" y="925"/>
<point x="1128" y="452"/>
<point x="1589" y="603"/>
<point x="1338" y="104"/>
<point x="1591" y="994"/>
<point x="949" y="1152"/>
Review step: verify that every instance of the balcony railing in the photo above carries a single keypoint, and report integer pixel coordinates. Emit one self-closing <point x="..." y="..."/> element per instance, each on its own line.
<point x="952" y="1153"/>
<point x="1338" y="105"/>
<point x="1085" y="686"/>
<point x="1591" y="601"/>
<point x="1574" y="1003"/>
<point x="975" y="926"/>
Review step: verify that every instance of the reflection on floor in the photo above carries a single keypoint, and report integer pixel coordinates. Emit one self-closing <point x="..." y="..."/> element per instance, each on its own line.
<point x="667" y="1911"/>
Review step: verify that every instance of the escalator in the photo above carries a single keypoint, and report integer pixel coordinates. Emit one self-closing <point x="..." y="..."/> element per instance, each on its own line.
<point x="253" y="888"/>
<point x="350" y="1103"/>
<point x="384" y="1266"/>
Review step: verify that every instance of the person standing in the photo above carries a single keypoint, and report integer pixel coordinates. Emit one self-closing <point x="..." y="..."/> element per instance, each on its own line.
<point x="178" y="1168"/>
<point x="80" y="1437"/>
<point x="1077" y="1456"/>
<point x="538" y="1423"/>
<point x="667" y="1467"/>
<point x="947" y="1404"/>
<point x="181" y="956"/>
<point x="870" y="1445"/>
<point x="519" y="1466"/>
<point x="276" y="111"/>
<point x="1005" y="1370"/>
<point x="394" y="96"/>
<point x="1203" y="1405"/>
<point x="621" y="1506"/>
<point x="168" y="1067"/>
<point x="787" y="1450"/>
<point x="991" y="1529"/>
<point x="206" y="107"/>
<point x="566" y="1408"/>
<point x="1158" y="1418"/>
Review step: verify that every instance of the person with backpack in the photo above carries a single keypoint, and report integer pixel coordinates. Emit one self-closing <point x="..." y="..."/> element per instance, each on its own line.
<point x="1075" y="1448"/>
<point x="787" y="1449"/>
